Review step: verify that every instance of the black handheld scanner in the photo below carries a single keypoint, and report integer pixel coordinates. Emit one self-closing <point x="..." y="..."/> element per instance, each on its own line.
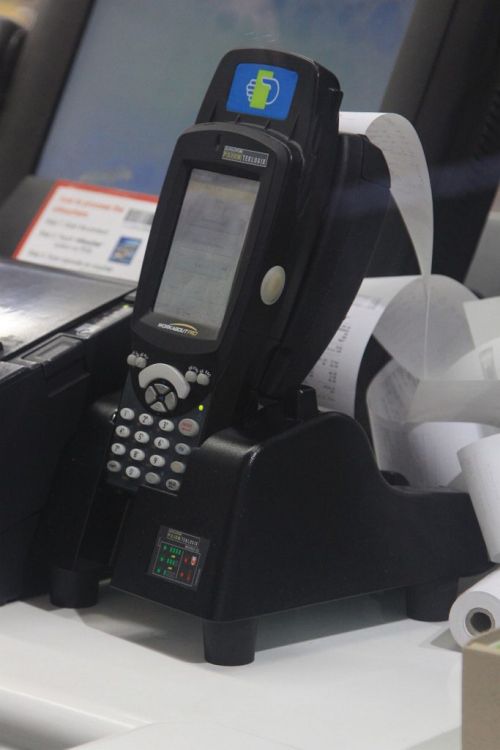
<point x="252" y="261"/>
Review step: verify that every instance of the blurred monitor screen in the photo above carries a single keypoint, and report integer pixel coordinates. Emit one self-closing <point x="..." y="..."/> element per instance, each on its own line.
<point x="142" y="69"/>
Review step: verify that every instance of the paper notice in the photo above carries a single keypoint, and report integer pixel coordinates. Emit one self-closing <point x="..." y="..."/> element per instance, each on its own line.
<point x="90" y="230"/>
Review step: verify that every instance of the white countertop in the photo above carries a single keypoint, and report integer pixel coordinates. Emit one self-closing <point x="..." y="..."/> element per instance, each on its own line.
<point x="353" y="675"/>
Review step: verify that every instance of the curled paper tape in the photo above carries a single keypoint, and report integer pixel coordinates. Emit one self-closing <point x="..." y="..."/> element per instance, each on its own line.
<point x="440" y="393"/>
<point x="477" y="610"/>
<point x="334" y="376"/>
<point x="410" y="183"/>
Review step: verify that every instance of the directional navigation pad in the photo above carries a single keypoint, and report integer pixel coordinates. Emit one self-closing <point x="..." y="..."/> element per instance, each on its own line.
<point x="161" y="397"/>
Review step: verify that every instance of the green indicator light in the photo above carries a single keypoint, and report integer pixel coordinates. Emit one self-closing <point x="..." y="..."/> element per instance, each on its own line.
<point x="158" y="570"/>
<point x="201" y="407"/>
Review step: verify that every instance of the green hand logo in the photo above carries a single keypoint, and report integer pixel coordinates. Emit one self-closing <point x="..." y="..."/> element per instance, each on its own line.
<point x="263" y="90"/>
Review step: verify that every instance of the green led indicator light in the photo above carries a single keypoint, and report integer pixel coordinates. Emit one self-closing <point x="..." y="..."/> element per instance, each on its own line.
<point x="200" y="407"/>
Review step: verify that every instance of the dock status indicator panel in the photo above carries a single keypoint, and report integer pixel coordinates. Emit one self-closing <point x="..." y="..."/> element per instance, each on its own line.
<point x="178" y="557"/>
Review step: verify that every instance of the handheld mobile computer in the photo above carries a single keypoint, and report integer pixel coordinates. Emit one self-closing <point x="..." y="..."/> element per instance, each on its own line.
<point x="228" y="260"/>
<point x="227" y="250"/>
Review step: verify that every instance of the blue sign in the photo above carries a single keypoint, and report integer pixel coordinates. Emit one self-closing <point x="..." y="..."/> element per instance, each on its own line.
<point x="262" y="90"/>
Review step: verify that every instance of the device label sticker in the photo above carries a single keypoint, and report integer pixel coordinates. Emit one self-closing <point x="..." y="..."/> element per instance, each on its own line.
<point x="245" y="156"/>
<point x="178" y="557"/>
<point x="262" y="90"/>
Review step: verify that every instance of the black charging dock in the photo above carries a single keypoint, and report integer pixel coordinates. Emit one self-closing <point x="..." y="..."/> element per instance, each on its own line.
<point x="290" y="512"/>
<point x="286" y="507"/>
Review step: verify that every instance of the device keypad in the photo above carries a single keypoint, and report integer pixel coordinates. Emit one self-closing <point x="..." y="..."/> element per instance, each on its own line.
<point x="142" y="452"/>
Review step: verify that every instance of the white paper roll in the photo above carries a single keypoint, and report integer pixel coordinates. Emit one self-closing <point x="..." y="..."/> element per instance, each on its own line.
<point x="477" y="610"/>
<point x="481" y="470"/>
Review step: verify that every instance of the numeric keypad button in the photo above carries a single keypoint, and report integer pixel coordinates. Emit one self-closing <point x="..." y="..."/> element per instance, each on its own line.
<point x="178" y="467"/>
<point x="146" y="419"/>
<point x="118" y="449"/>
<point x="132" y="472"/>
<point x="166" y="425"/>
<point x="136" y="454"/>
<point x="152" y="478"/>
<point x="127" y="414"/>
<point x="173" y="485"/>
<point x="183" y="449"/>
<point x="161" y="443"/>
<point x="141" y="437"/>
<point x="156" y="460"/>
<point x="122" y="431"/>
<point x="114" y="466"/>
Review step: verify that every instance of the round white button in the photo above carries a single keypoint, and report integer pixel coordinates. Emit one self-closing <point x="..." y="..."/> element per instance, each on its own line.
<point x="183" y="449"/>
<point x="141" y="362"/>
<point x="146" y="419"/>
<point x="122" y="431"/>
<point x="132" y="359"/>
<point x="127" y="414"/>
<point x="272" y="285"/>
<point x="137" y="454"/>
<point x="133" y="472"/>
<point x="141" y="436"/>
<point x="203" y="378"/>
<point x="178" y="467"/>
<point x="114" y="466"/>
<point x="156" y="460"/>
<point x="172" y="484"/>
<point x="191" y="376"/>
<point x="152" y="478"/>
<point x="161" y="443"/>
<point x="118" y="449"/>
<point x="166" y="425"/>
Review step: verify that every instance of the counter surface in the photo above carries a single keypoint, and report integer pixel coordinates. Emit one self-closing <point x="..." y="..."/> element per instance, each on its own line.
<point x="354" y="675"/>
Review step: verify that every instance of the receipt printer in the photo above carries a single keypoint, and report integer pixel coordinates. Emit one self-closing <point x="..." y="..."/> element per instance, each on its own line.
<point x="62" y="342"/>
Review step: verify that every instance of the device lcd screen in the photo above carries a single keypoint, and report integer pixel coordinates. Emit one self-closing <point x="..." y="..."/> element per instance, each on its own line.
<point x="206" y="248"/>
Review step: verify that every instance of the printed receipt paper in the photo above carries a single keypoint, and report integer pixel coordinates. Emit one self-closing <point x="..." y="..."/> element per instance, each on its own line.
<point x="440" y="390"/>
